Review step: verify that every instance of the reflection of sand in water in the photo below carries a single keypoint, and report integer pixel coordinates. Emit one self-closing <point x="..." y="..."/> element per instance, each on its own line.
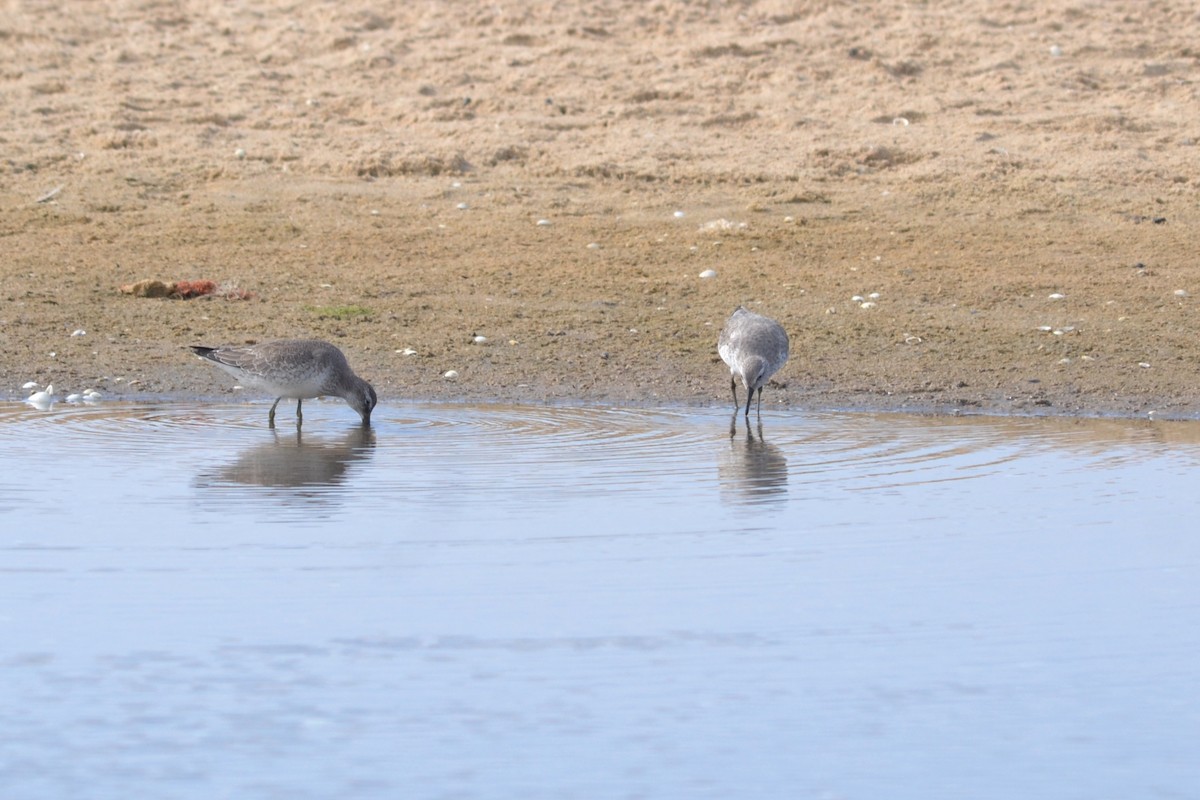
<point x="752" y="470"/>
<point x="293" y="461"/>
<point x="1100" y="436"/>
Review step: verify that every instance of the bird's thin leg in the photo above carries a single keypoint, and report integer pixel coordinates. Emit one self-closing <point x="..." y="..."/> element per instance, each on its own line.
<point x="760" y="401"/>
<point x="271" y="416"/>
<point x="733" y="388"/>
<point x="299" y="416"/>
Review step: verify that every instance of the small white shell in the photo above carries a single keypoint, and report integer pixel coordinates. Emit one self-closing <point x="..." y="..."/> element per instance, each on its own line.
<point x="858" y="298"/>
<point x="1056" y="296"/>
<point x="867" y="305"/>
<point x="1181" y="293"/>
<point x="1144" y="364"/>
<point x="874" y="295"/>
<point x="462" y="206"/>
<point x="450" y="374"/>
<point x="480" y="340"/>
<point x="82" y="332"/>
<point x="708" y="273"/>
<point x="543" y="222"/>
<point x="42" y="400"/>
<point x="679" y="215"/>
<point x="593" y="246"/>
<point x="408" y="351"/>
<point x="239" y="153"/>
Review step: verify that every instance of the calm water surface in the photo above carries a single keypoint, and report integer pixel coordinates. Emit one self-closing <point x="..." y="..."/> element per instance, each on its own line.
<point x="550" y="602"/>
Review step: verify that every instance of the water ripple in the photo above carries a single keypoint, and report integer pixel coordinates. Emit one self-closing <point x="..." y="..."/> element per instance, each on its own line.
<point x="442" y="455"/>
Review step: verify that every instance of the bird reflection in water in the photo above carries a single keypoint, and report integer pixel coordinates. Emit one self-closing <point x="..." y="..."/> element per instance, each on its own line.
<point x="291" y="460"/>
<point x="753" y="470"/>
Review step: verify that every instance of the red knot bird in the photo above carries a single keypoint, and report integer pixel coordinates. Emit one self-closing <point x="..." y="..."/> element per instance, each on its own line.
<point x="294" y="368"/>
<point x="754" y="347"/>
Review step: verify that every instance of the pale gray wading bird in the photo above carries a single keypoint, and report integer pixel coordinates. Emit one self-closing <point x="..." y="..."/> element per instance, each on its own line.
<point x="754" y="347"/>
<point x="294" y="368"/>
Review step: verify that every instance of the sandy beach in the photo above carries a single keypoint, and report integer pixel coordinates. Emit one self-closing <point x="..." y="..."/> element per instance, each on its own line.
<point x="957" y="207"/>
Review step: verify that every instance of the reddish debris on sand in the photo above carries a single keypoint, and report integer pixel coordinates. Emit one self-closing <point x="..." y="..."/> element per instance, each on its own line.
<point x="185" y="290"/>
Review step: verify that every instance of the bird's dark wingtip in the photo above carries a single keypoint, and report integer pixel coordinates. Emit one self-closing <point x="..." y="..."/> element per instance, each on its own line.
<point x="203" y="352"/>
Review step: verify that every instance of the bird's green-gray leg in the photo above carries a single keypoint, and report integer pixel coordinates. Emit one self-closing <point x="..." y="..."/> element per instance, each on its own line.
<point x="271" y="416"/>
<point x="760" y="401"/>
<point x="733" y="388"/>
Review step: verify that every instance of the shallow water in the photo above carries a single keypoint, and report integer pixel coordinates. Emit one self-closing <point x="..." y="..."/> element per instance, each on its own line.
<point x="551" y="602"/>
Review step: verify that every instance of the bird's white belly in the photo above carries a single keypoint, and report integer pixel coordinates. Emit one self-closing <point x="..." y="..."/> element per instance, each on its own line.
<point x="296" y="389"/>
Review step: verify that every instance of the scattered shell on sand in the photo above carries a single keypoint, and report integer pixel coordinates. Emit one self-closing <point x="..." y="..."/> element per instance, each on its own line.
<point x="43" y="399"/>
<point x="50" y="195"/>
<point x="450" y="374"/>
<point x="708" y="273"/>
<point x="1057" y="296"/>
